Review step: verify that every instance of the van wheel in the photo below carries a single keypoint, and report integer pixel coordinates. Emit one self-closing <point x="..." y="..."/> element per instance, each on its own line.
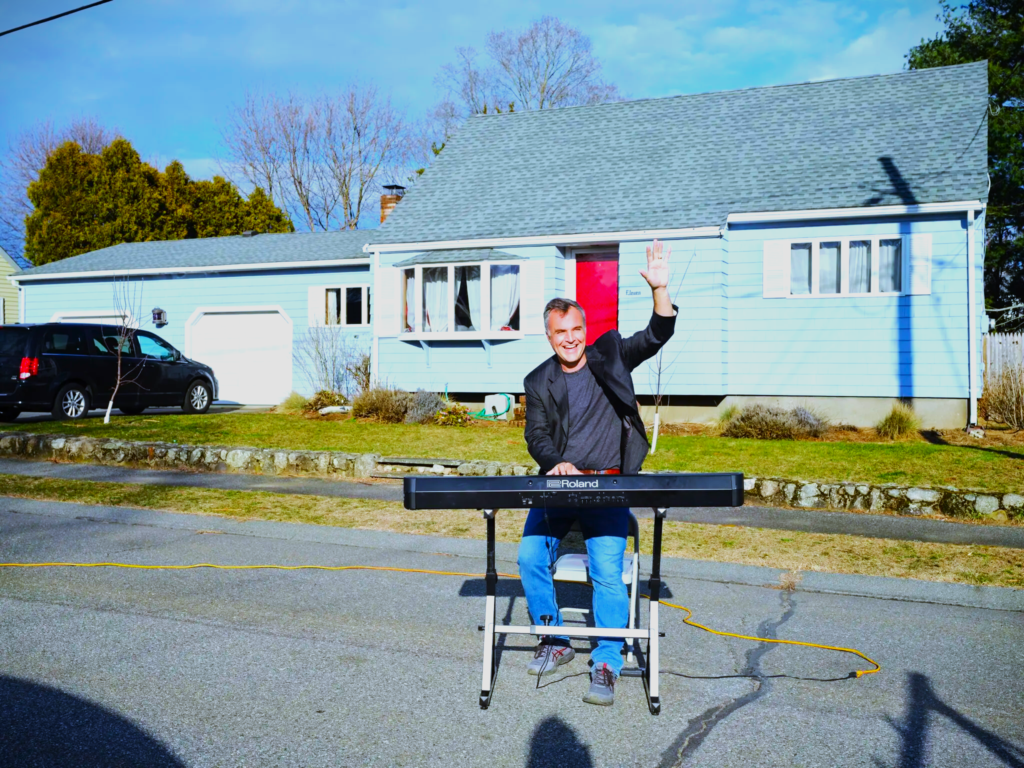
<point x="9" y="414"/>
<point x="72" y="402"/>
<point x="197" y="398"/>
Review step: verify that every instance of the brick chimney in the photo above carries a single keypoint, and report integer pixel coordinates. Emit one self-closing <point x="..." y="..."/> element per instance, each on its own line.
<point x="392" y="194"/>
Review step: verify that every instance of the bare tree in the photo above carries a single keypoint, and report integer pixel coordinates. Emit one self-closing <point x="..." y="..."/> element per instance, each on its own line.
<point x="26" y="155"/>
<point x="331" y="359"/>
<point x="128" y="307"/>
<point x="549" y="64"/>
<point x="322" y="159"/>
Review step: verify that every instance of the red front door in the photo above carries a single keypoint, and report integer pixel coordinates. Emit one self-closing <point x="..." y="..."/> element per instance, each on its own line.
<point x="597" y="291"/>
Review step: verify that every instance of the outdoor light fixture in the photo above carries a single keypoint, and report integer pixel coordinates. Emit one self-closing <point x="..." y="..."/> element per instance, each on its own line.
<point x="159" y="317"/>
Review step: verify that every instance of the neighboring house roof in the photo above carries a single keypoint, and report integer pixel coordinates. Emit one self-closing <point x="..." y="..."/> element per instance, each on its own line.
<point x="689" y="161"/>
<point x="215" y="253"/>
<point x="18" y="262"/>
<point x="457" y="256"/>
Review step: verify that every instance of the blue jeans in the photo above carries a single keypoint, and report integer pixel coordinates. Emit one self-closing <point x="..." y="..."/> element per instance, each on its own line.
<point x="605" y="530"/>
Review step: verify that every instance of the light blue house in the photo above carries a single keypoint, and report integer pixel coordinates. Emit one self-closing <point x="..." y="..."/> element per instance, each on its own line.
<point x="245" y="305"/>
<point x="827" y="244"/>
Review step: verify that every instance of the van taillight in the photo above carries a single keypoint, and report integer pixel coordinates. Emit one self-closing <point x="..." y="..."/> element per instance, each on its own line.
<point x="29" y="367"/>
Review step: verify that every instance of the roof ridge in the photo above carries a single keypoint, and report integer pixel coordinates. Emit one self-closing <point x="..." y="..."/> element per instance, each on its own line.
<point x="805" y="83"/>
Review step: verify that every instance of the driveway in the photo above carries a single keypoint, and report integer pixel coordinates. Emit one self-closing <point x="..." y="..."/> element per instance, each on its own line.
<point x="313" y="668"/>
<point x="32" y="417"/>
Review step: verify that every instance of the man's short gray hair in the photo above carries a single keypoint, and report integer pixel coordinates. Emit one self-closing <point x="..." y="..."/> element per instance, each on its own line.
<point x="561" y="306"/>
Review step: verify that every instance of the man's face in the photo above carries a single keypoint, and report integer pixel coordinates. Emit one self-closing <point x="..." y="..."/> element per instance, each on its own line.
<point x="568" y="335"/>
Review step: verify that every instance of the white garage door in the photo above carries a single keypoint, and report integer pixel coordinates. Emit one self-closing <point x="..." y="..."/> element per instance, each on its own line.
<point x="250" y="353"/>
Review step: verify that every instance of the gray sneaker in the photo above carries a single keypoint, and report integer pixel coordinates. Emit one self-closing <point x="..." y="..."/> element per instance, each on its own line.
<point x="602" y="686"/>
<point x="548" y="657"/>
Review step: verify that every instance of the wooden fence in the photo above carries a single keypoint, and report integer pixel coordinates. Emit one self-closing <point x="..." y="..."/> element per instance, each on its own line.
<point x="1000" y="351"/>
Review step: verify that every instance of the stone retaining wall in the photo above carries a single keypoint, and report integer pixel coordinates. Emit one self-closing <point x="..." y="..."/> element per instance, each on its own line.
<point x="952" y="502"/>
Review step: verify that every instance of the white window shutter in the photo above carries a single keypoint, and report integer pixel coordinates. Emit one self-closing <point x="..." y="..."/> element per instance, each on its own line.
<point x="776" y="269"/>
<point x="317" y="305"/>
<point x="531" y="296"/>
<point x="918" y="253"/>
<point x="387" y="303"/>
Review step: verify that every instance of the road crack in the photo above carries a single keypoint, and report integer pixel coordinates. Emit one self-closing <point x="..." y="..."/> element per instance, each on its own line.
<point x="698" y="729"/>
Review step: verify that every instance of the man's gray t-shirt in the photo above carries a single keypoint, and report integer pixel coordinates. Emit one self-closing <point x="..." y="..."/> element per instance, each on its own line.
<point x="595" y="430"/>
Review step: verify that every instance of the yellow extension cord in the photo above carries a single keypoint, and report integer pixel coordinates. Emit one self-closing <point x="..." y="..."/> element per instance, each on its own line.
<point x="686" y="620"/>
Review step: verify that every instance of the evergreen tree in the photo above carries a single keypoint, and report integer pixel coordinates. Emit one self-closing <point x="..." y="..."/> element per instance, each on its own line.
<point x="83" y="202"/>
<point x="994" y="30"/>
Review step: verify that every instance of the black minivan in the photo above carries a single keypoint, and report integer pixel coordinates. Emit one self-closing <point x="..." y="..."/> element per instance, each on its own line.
<point x="69" y="368"/>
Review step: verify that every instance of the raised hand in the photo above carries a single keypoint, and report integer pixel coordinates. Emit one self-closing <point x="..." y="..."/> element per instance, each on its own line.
<point x="656" y="273"/>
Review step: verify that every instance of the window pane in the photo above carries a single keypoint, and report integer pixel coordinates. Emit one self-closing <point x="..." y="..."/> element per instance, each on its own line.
<point x="890" y="266"/>
<point x="860" y="266"/>
<point x="353" y="306"/>
<point x="154" y="349"/>
<point x="800" y="268"/>
<point x="71" y="341"/>
<point x="829" y="268"/>
<point x="333" y="314"/>
<point x="467" y="298"/>
<point x="435" y="299"/>
<point x="504" y="297"/>
<point x="409" y="300"/>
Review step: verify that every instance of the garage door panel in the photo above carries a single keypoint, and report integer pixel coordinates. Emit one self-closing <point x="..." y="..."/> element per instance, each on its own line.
<point x="250" y="353"/>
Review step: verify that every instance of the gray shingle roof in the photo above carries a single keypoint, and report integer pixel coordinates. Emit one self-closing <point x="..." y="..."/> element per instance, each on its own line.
<point x="457" y="256"/>
<point x="685" y="161"/>
<point x="214" y="252"/>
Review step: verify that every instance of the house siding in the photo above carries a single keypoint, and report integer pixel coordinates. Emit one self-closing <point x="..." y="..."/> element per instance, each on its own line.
<point x="9" y="293"/>
<point x="885" y="346"/>
<point x="180" y="296"/>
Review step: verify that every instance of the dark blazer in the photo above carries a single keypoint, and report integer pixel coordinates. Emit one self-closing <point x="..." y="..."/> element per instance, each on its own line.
<point x="611" y="359"/>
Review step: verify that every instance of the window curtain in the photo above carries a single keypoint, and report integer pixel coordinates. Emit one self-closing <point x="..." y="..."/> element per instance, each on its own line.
<point x="467" y="298"/>
<point x="435" y="299"/>
<point x="890" y="266"/>
<point x="504" y="297"/>
<point x="800" y="268"/>
<point x="860" y="266"/>
<point x="409" y="310"/>
<point x="829" y="268"/>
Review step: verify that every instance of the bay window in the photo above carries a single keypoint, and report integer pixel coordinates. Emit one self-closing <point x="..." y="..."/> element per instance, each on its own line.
<point x="480" y="298"/>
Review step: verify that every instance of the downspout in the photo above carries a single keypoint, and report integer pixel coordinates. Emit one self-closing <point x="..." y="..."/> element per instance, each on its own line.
<point x="972" y="327"/>
<point x="375" y="344"/>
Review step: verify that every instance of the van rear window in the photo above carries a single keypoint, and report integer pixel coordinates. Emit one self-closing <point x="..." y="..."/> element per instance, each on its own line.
<point x="12" y="341"/>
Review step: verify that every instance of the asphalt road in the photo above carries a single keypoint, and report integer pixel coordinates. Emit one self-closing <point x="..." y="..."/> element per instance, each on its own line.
<point x="310" y="668"/>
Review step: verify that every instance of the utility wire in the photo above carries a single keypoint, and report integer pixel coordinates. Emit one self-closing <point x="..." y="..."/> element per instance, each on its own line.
<point x="51" y="18"/>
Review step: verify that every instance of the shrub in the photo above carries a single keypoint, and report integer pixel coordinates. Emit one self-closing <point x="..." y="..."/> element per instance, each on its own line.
<point x="453" y="415"/>
<point x="764" y="422"/>
<point x="325" y="398"/>
<point x="810" y="423"/>
<point x="386" y="405"/>
<point x="294" y="403"/>
<point x="900" y="421"/>
<point x="423" y="406"/>
<point x="727" y="415"/>
<point x="1004" y="397"/>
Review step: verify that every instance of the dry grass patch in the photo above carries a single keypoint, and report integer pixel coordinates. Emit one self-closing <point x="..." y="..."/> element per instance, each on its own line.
<point x="790" y="551"/>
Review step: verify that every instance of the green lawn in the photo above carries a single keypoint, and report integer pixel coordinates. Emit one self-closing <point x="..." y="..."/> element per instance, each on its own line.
<point x="990" y="468"/>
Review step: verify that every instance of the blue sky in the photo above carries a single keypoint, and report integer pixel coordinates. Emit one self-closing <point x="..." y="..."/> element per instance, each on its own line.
<point x="165" y="72"/>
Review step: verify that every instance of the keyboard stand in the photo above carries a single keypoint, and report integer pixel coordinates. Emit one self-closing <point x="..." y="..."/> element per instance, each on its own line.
<point x="647" y="663"/>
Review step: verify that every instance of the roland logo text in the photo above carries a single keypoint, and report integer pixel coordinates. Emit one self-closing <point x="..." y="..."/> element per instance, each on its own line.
<point x="572" y="483"/>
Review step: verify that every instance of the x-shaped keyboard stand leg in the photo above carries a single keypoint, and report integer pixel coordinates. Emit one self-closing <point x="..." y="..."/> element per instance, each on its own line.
<point x="649" y="672"/>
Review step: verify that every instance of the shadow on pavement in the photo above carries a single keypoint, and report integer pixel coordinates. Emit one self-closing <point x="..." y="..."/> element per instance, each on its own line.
<point x="43" y="727"/>
<point x="922" y="703"/>
<point x="555" y="743"/>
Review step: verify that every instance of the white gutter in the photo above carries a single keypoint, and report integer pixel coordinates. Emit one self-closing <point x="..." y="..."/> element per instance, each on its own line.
<point x="854" y="213"/>
<point x="565" y="240"/>
<point x="972" y="330"/>
<point x="375" y="349"/>
<point x="192" y="270"/>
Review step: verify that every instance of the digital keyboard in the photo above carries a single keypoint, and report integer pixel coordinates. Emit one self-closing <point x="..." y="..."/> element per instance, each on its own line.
<point x="712" y="489"/>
